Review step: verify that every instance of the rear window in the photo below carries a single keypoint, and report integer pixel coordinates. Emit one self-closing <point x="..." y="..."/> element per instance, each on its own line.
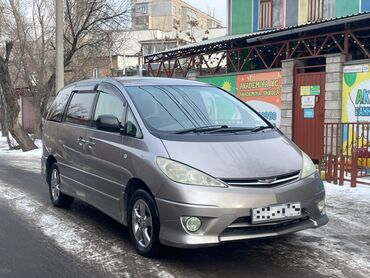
<point x="79" y="109"/>
<point x="57" y="108"/>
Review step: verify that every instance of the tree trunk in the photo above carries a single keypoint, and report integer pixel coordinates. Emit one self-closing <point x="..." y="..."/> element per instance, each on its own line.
<point x="12" y="105"/>
<point x="4" y="123"/>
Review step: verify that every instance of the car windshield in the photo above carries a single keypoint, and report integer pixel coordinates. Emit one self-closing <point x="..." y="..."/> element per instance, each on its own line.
<point x="175" y="109"/>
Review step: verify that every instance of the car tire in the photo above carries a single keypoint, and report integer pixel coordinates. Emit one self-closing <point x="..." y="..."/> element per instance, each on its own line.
<point x="143" y="223"/>
<point x="57" y="197"/>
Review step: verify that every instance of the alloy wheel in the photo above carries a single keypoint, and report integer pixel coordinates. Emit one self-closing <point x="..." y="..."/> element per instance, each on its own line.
<point x="142" y="225"/>
<point x="55" y="184"/>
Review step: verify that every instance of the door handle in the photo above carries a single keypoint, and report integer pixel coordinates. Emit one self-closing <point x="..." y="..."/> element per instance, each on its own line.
<point x="90" y="143"/>
<point x="81" y="141"/>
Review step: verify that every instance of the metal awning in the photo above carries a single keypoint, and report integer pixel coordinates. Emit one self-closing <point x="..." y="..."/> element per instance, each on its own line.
<point x="226" y="42"/>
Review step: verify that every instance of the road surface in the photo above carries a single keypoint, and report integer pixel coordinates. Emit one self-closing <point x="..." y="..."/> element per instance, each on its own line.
<point x="38" y="240"/>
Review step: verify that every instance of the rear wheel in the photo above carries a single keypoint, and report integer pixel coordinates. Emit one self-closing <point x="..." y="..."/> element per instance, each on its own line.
<point x="143" y="223"/>
<point x="57" y="197"/>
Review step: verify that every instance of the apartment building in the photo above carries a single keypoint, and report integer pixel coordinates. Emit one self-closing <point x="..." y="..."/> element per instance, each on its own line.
<point x="169" y="15"/>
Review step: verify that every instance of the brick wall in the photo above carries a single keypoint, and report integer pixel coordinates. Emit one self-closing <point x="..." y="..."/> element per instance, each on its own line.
<point x="334" y="87"/>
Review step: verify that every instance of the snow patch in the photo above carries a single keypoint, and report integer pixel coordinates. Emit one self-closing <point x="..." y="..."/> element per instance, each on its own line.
<point x="29" y="161"/>
<point x="4" y="148"/>
<point x="76" y="239"/>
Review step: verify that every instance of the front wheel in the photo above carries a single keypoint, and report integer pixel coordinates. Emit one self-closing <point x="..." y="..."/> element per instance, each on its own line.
<point x="143" y="223"/>
<point x="57" y="197"/>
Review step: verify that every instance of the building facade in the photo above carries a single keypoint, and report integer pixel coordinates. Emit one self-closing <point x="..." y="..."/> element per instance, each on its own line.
<point x="246" y="16"/>
<point x="168" y="15"/>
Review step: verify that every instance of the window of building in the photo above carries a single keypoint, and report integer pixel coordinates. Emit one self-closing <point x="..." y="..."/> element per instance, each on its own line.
<point x="141" y="9"/>
<point x="265" y="14"/>
<point x="79" y="109"/>
<point x="142" y="21"/>
<point x="148" y="49"/>
<point x="315" y="10"/>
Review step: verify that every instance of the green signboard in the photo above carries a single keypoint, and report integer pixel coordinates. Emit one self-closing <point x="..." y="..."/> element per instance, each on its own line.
<point x="310" y="90"/>
<point x="227" y="82"/>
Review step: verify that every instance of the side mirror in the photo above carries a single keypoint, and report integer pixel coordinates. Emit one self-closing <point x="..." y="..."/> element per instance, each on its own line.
<point x="108" y="123"/>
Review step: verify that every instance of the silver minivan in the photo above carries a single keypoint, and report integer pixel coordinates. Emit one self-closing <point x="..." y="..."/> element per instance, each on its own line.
<point x="181" y="163"/>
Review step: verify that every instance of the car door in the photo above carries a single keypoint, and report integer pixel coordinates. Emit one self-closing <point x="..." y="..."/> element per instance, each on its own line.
<point x="104" y="154"/>
<point x="72" y="136"/>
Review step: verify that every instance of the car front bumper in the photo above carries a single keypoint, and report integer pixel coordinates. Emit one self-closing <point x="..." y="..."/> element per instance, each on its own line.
<point x="226" y="212"/>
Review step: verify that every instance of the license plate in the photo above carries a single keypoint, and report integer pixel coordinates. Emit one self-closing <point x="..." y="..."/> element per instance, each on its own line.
<point x="276" y="212"/>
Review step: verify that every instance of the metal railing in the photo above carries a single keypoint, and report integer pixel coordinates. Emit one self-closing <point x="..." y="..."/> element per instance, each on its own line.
<point x="346" y="153"/>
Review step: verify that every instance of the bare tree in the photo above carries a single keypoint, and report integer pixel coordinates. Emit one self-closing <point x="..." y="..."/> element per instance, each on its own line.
<point x="88" y="29"/>
<point x="12" y="105"/>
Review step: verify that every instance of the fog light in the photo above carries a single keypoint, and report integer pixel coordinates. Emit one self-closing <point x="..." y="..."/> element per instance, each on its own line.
<point x="322" y="207"/>
<point x="192" y="224"/>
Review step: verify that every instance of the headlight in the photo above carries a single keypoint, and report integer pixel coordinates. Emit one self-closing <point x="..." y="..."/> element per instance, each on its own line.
<point x="181" y="173"/>
<point x="308" y="167"/>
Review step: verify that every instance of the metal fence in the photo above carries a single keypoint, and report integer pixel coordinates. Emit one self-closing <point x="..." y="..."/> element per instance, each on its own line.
<point x="346" y="153"/>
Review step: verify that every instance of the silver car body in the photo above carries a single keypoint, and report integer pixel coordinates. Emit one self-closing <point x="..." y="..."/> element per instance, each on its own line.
<point x="262" y="169"/>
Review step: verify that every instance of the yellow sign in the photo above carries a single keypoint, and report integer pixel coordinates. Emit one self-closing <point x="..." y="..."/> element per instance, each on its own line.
<point x="305" y="90"/>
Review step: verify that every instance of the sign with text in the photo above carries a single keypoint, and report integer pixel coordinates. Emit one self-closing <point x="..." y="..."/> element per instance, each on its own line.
<point x="310" y="90"/>
<point x="308" y="101"/>
<point x="356" y="103"/>
<point x="262" y="91"/>
<point x="356" y="95"/>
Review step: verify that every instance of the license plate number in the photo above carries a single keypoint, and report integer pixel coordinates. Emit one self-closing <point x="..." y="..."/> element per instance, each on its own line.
<point x="276" y="212"/>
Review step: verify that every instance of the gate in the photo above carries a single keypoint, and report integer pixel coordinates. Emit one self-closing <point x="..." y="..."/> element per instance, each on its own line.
<point x="308" y="123"/>
<point x="28" y="115"/>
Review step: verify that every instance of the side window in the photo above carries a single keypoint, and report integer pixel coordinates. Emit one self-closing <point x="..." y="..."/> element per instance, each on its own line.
<point x="109" y="105"/>
<point x="57" y="108"/>
<point x="131" y="126"/>
<point x="79" y="109"/>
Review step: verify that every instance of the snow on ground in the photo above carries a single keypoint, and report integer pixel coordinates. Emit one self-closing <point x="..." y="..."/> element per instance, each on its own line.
<point x="80" y="241"/>
<point x="4" y="148"/>
<point x="29" y="161"/>
<point x="346" y="238"/>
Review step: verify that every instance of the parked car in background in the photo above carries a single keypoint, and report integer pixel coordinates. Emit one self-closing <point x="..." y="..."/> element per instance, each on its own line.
<point x="179" y="162"/>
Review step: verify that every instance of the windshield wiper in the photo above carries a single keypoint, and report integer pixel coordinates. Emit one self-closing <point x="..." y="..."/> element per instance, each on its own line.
<point x="202" y="129"/>
<point x="259" y="128"/>
<point x="230" y="129"/>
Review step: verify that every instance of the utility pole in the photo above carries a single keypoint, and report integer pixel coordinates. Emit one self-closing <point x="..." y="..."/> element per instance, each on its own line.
<point x="59" y="65"/>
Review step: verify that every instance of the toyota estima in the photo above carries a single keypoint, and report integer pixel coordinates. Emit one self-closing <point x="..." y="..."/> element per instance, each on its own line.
<point x="179" y="162"/>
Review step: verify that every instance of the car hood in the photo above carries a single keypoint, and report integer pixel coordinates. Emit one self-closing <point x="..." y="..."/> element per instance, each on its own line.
<point x="255" y="157"/>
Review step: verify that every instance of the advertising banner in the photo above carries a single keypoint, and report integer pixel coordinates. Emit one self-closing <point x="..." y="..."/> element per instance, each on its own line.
<point x="262" y="91"/>
<point x="356" y="102"/>
<point x="356" y="94"/>
<point x="227" y="82"/>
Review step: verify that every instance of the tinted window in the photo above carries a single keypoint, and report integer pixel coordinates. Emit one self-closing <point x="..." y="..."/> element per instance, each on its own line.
<point x="79" y="109"/>
<point x="57" y="108"/>
<point x="109" y="105"/>
<point x="131" y="126"/>
<point x="177" y="108"/>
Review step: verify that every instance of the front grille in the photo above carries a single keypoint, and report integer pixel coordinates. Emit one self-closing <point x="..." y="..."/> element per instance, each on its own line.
<point x="264" y="182"/>
<point x="265" y="227"/>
